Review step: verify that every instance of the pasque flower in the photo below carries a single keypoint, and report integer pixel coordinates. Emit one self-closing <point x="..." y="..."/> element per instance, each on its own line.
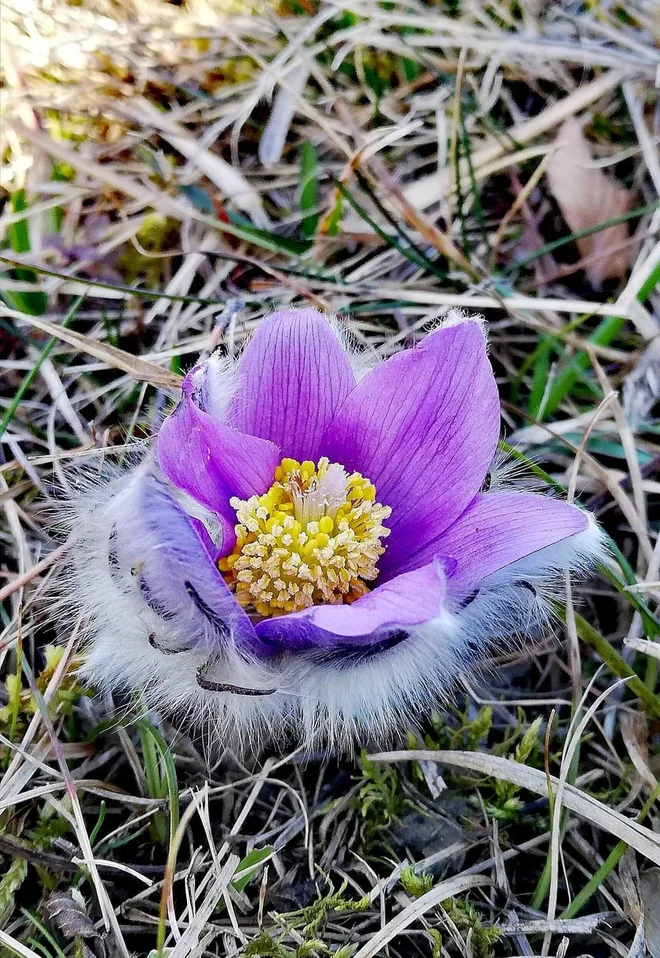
<point x="312" y="546"/>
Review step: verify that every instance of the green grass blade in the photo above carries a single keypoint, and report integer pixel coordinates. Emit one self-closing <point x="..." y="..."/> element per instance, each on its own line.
<point x="650" y="285"/>
<point x="608" y="865"/>
<point x="572" y="372"/>
<point x="616" y="663"/>
<point x="309" y="190"/>
<point x="18" y="233"/>
<point x="31" y="375"/>
<point x="406" y="251"/>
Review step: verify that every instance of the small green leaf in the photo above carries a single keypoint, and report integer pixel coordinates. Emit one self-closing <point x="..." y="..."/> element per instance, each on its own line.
<point x="18" y="234"/>
<point x="334" y="218"/>
<point x="250" y="865"/>
<point x="529" y="741"/>
<point x="309" y="190"/>
<point x="32" y="304"/>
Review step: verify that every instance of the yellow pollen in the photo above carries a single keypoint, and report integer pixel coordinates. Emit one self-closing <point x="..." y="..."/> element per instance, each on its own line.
<point x="313" y="538"/>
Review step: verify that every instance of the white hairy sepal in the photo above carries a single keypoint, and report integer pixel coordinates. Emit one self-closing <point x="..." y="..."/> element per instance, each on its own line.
<point x="517" y="602"/>
<point x="320" y="697"/>
<point x="333" y="698"/>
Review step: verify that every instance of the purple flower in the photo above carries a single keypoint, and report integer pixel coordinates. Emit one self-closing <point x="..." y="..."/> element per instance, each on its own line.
<point x="319" y="548"/>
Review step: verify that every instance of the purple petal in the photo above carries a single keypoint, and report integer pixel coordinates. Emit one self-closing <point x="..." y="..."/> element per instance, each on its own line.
<point x="174" y="572"/>
<point x="211" y="461"/>
<point x="501" y="528"/>
<point x="214" y="551"/>
<point x="407" y="600"/>
<point x="291" y="379"/>
<point x="423" y="427"/>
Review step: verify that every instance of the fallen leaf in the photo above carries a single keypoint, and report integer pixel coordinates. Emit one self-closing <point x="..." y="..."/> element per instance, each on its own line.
<point x="587" y="196"/>
<point x="69" y="916"/>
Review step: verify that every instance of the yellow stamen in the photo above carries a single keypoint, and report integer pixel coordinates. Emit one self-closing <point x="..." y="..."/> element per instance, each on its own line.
<point x="314" y="537"/>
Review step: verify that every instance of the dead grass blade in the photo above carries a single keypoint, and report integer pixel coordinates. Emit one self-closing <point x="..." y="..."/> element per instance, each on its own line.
<point x="413" y="911"/>
<point x="16" y="947"/>
<point x="114" y="357"/>
<point x="430" y="189"/>
<point x="227" y="178"/>
<point x="639" y="837"/>
<point x="193" y="933"/>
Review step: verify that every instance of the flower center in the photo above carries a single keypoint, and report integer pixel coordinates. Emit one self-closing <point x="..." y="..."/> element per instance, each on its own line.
<point x="313" y="538"/>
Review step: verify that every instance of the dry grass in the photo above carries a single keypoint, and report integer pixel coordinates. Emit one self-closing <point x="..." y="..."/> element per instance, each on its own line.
<point x="170" y="175"/>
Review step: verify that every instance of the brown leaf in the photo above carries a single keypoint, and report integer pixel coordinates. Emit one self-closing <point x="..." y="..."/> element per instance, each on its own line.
<point x="587" y="196"/>
<point x="69" y="916"/>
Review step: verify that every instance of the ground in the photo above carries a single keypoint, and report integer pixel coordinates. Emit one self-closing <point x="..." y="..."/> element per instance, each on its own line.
<point x="171" y="173"/>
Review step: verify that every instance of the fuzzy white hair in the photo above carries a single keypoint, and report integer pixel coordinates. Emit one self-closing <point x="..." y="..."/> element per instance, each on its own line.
<point x="320" y="697"/>
<point x="317" y="697"/>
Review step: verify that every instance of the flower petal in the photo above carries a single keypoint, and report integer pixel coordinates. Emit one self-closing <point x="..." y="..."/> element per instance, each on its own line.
<point x="174" y="571"/>
<point x="406" y="600"/>
<point x="423" y="427"/>
<point x="292" y="377"/>
<point x="499" y="529"/>
<point x="211" y="461"/>
<point x="214" y="551"/>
